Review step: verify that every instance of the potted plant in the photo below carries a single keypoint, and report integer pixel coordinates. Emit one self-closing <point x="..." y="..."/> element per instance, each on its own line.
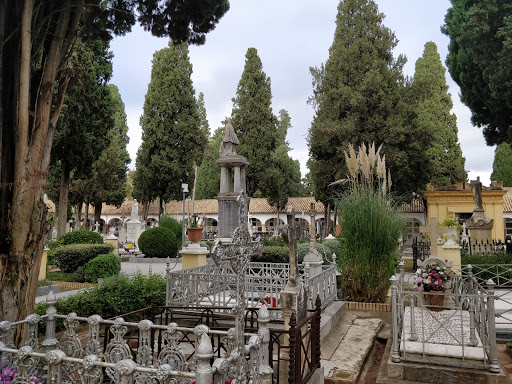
<point x="194" y="230"/>
<point x="453" y="227"/>
<point x="432" y="279"/>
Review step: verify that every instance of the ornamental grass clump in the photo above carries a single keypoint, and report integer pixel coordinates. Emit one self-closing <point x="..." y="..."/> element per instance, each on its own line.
<point x="370" y="225"/>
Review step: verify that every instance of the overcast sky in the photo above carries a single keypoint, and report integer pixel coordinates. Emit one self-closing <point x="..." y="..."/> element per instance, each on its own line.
<point x="290" y="36"/>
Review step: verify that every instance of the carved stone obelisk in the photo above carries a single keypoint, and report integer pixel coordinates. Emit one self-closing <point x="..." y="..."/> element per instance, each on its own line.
<point x="232" y="182"/>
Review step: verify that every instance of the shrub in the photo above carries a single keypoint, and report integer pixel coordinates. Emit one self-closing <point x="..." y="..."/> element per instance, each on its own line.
<point x="332" y="246"/>
<point x="102" y="266"/>
<point x="80" y="236"/>
<point x="274" y="241"/>
<point x="303" y="249"/>
<point x="172" y="224"/>
<point x="158" y="242"/>
<point x="272" y="254"/>
<point x="69" y="257"/>
<point x="52" y="246"/>
<point x="116" y="296"/>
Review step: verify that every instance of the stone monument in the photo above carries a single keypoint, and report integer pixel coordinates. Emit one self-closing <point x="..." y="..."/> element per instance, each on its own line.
<point x="313" y="257"/>
<point x="479" y="225"/>
<point x="232" y="182"/>
<point x="134" y="227"/>
<point x="295" y="295"/>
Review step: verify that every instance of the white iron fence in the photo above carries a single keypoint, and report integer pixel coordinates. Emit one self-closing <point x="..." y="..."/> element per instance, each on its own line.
<point x="460" y="331"/>
<point x="215" y="286"/>
<point x="138" y="353"/>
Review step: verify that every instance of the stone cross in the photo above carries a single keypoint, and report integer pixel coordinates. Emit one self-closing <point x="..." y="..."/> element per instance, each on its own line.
<point x="97" y="227"/>
<point x="238" y="253"/>
<point x="433" y="230"/>
<point x="290" y="237"/>
<point x="312" y="228"/>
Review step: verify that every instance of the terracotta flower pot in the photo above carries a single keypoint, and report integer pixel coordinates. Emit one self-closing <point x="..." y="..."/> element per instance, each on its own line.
<point x="194" y="234"/>
<point x="436" y="302"/>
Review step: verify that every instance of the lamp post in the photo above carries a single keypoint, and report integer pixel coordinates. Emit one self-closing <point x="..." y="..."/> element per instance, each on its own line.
<point x="184" y="186"/>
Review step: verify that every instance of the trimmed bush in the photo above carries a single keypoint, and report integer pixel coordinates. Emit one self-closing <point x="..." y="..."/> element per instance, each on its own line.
<point x="172" y="224"/>
<point x="332" y="246"/>
<point x="158" y="242"/>
<point x="80" y="236"/>
<point x="115" y="297"/>
<point x="487" y="267"/>
<point x="102" y="266"/>
<point x="69" y="257"/>
<point x="272" y="254"/>
<point x="52" y="246"/>
<point x="303" y="249"/>
<point x="274" y="242"/>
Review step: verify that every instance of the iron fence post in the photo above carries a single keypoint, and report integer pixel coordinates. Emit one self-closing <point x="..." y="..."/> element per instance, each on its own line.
<point x="124" y="369"/>
<point x="316" y="352"/>
<point x="395" y="355"/>
<point x="292" y="374"/>
<point x="54" y="360"/>
<point x="493" y="352"/>
<point x="204" y="352"/>
<point x="472" y="326"/>
<point x="265" y="362"/>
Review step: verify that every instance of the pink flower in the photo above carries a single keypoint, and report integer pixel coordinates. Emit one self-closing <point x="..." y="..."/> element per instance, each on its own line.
<point x="419" y="279"/>
<point x="420" y="288"/>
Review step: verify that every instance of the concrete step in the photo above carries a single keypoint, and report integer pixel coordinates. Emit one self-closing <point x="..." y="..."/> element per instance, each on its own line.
<point x="345" y="350"/>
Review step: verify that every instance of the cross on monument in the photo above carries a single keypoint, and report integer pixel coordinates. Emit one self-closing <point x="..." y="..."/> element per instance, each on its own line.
<point x="433" y="230"/>
<point x="97" y="226"/>
<point x="238" y="253"/>
<point x="290" y="237"/>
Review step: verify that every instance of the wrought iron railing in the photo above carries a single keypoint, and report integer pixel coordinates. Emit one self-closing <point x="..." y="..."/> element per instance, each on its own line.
<point x="420" y="251"/>
<point x="483" y="248"/>
<point x="123" y="359"/>
<point x="459" y="332"/>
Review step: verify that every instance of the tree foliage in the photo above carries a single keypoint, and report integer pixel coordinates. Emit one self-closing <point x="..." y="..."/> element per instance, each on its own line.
<point x="432" y="106"/>
<point x="254" y="123"/>
<point x="502" y="165"/>
<point x="208" y="173"/>
<point x="173" y="135"/>
<point x="479" y="60"/>
<point x="360" y="96"/>
<point x="37" y="38"/>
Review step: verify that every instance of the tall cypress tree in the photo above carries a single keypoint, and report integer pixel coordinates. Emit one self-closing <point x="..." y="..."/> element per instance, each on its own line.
<point x="172" y="138"/>
<point x="254" y="122"/>
<point x="433" y="104"/>
<point x="502" y="165"/>
<point x="359" y="96"/>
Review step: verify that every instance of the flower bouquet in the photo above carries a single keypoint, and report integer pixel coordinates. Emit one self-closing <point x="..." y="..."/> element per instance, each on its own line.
<point x="433" y="279"/>
<point x="270" y="301"/>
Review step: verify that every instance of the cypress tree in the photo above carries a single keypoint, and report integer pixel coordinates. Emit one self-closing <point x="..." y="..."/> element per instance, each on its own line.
<point x="172" y="137"/>
<point x="433" y="105"/>
<point x="359" y="96"/>
<point x="502" y="165"/>
<point x="254" y="123"/>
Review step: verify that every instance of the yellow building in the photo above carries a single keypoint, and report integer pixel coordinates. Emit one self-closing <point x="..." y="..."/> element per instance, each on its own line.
<point x="456" y="202"/>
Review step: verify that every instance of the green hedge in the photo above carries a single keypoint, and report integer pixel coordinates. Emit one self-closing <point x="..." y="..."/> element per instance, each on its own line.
<point x="102" y="266"/>
<point x="491" y="270"/>
<point x="158" y="242"/>
<point x="116" y="296"/>
<point x="272" y="254"/>
<point x="52" y="246"/>
<point x="69" y="257"/>
<point x="80" y="236"/>
<point x="172" y="224"/>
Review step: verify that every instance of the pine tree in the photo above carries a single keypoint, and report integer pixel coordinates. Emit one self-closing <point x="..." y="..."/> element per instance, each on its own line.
<point x="254" y="122"/>
<point x="359" y="96"/>
<point x="208" y="173"/>
<point x="172" y="138"/>
<point x="433" y="104"/>
<point x="502" y="165"/>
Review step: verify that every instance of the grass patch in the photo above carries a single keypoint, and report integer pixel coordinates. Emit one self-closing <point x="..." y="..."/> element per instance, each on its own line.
<point x="62" y="276"/>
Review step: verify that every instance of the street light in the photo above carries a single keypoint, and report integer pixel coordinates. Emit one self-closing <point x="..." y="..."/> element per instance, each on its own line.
<point x="184" y="186"/>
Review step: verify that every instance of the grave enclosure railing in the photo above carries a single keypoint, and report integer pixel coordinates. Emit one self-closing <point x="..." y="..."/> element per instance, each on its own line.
<point x="215" y="286"/>
<point x="459" y="332"/>
<point x="138" y="352"/>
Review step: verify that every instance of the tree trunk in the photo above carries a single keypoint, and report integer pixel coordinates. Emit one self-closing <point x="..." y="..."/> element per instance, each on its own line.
<point x="145" y="209"/>
<point x="86" y="214"/>
<point x="194" y="189"/>
<point x="78" y="210"/>
<point x="62" y="211"/>
<point x="160" y="209"/>
<point x="30" y="126"/>
<point x="97" y="213"/>
<point x="327" y="227"/>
